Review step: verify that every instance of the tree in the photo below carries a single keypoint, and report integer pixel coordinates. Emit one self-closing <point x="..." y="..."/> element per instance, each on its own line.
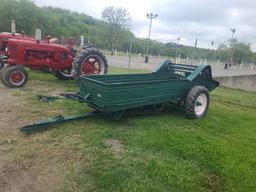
<point x="222" y="46"/>
<point x="242" y="52"/>
<point x="118" y="19"/>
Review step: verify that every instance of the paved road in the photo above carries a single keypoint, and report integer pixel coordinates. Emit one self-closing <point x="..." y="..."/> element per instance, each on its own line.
<point x="138" y="63"/>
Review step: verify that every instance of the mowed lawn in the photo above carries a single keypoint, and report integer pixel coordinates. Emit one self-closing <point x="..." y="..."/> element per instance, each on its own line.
<point x="162" y="152"/>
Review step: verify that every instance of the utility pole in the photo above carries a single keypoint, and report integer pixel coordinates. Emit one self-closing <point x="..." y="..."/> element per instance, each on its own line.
<point x="150" y="16"/>
<point x="89" y="35"/>
<point x="177" y="47"/>
<point x="233" y="30"/>
<point x="194" y="49"/>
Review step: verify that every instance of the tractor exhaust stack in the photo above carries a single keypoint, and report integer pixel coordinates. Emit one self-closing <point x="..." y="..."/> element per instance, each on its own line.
<point x="13" y="27"/>
<point x="38" y="35"/>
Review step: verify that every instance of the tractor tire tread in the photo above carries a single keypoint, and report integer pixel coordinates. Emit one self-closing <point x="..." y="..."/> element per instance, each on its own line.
<point x="7" y="72"/>
<point x="2" y="72"/>
<point x="84" y="52"/>
<point x="60" y="76"/>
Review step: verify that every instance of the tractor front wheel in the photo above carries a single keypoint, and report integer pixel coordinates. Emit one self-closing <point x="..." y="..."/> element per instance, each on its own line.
<point x="14" y="76"/>
<point x="64" y="75"/>
<point x="2" y="75"/>
<point x="197" y="102"/>
<point x="1" y="63"/>
<point x="89" y="61"/>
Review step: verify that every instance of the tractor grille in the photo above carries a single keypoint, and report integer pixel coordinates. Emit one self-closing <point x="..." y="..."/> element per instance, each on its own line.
<point x="12" y="51"/>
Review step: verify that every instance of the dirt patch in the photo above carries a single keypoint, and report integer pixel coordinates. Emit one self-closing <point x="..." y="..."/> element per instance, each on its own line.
<point x="17" y="180"/>
<point x="16" y="175"/>
<point x="116" y="146"/>
<point x="10" y="105"/>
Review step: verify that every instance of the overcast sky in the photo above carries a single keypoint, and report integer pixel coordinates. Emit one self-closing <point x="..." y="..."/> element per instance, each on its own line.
<point x="207" y="20"/>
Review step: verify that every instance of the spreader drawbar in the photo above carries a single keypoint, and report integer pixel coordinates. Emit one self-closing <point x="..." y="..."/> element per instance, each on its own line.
<point x="44" y="124"/>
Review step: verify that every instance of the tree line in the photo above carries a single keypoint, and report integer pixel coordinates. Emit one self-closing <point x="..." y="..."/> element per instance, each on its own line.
<point x="112" y="32"/>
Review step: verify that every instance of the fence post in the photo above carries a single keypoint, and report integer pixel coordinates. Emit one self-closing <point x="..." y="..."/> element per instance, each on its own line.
<point x="178" y="59"/>
<point x="130" y="55"/>
<point x="252" y="66"/>
<point x="241" y="65"/>
<point x="139" y="57"/>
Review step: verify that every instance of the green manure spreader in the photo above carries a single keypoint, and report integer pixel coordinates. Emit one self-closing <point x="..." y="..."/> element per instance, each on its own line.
<point x="114" y="95"/>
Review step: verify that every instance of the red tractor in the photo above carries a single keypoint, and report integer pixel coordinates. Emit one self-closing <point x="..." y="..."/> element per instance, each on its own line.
<point x="18" y="51"/>
<point x="4" y="37"/>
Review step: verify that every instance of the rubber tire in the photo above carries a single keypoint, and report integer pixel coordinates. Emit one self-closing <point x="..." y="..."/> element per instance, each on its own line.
<point x="81" y="55"/>
<point x="8" y="70"/>
<point x="60" y="76"/>
<point x="189" y="103"/>
<point x="1" y="63"/>
<point x="2" y="71"/>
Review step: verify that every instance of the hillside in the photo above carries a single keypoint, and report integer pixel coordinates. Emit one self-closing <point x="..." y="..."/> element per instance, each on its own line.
<point x="65" y="23"/>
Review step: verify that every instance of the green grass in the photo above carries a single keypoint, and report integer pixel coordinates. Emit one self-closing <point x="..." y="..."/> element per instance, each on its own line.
<point x="165" y="152"/>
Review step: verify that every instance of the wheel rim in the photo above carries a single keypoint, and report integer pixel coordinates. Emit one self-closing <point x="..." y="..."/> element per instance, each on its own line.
<point x="92" y="64"/>
<point x="17" y="78"/>
<point x="200" y="104"/>
<point x="66" y="73"/>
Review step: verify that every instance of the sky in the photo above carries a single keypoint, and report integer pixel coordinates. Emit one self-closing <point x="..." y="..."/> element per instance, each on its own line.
<point x="207" y="20"/>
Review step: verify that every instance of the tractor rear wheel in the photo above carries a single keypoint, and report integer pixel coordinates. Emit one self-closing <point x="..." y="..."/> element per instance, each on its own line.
<point x="64" y="75"/>
<point x="14" y="76"/>
<point x="197" y="102"/>
<point x="89" y="61"/>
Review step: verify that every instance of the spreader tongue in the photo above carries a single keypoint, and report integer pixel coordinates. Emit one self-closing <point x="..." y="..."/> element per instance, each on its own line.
<point x="45" y="124"/>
